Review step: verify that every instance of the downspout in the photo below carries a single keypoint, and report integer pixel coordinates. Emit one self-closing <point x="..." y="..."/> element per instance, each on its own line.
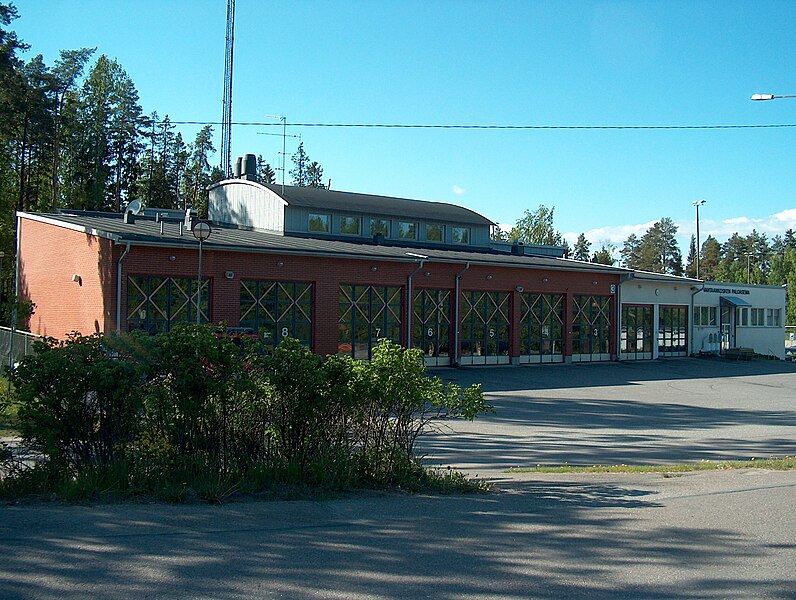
<point x="119" y="289"/>
<point x="456" y="315"/>
<point x="691" y="318"/>
<point x="410" y="304"/>
<point x="15" y="300"/>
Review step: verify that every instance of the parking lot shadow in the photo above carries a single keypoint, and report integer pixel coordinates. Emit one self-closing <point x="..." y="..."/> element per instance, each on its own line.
<point x="550" y="540"/>
<point x="551" y="376"/>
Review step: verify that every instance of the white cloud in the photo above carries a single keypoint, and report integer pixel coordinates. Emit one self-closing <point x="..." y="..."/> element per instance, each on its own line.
<point x="772" y="226"/>
<point x="787" y="215"/>
<point x="616" y="234"/>
<point x="458" y="191"/>
<point x="737" y="221"/>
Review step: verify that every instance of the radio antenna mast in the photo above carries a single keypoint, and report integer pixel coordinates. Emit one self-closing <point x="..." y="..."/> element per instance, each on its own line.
<point x="226" y="120"/>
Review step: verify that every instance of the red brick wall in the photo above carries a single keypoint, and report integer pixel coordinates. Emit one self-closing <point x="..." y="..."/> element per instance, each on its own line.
<point x="49" y="257"/>
<point x="63" y="306"/>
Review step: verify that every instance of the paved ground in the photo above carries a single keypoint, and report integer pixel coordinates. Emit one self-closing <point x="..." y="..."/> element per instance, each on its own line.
<point x="676" y="410"/>
<point x="707" y="535"/>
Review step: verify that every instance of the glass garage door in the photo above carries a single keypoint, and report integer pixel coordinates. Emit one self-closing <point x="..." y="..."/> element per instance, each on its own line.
<point x="542" y="328"/>
<point x="277" y="309"/>
<point x="367" y="314"/>
<point x="156" y="303"/>
<point x="591" y="328"/>
<point x="431" y="325"/>
<point x="673" y="331"/>
<point x="485" y="328"/>
<point x="635" y="341"/>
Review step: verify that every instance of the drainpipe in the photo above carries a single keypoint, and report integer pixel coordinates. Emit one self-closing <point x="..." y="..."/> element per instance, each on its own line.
<point x="410" y="304"/>
<point x="691" y="317"/>
<point x="14" y="300"/>
<point x="119" y="289"/>
<point x="456" y="315"/>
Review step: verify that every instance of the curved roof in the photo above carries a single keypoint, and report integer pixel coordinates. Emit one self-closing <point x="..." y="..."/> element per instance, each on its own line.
<point x="307" y="197"/>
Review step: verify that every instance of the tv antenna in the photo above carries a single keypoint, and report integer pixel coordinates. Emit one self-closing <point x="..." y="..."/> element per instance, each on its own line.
<point x="284" y="138"/>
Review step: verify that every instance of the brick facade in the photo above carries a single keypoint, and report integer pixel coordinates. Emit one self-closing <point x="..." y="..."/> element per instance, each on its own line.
<point x="51" y="255"/>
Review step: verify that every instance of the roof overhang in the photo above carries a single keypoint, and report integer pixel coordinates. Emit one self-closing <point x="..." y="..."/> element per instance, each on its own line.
<point x="734" y="301"/>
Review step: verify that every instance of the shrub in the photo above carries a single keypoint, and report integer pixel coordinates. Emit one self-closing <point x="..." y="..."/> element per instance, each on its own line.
<point x="192" y="397"/>
<point x="190" y="414"/>
<point x="77" y="403"/>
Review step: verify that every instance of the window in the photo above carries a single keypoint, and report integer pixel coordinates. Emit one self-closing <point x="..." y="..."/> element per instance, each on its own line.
<point x="407" y="231"/>
<point x="349" y="225"/>
<point x="772" y="317"/>
<point x="435" y="233"/>
<point x="460" y="235"/>
<point x="758" y="317"/>
<point x="380" y="226"/>
<point x="742" y="317"/>
<point x="318" y="223"/>
<point x="705" y="316"/>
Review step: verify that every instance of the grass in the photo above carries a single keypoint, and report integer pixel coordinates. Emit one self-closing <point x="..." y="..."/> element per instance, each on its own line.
<point x="787" y="463"/>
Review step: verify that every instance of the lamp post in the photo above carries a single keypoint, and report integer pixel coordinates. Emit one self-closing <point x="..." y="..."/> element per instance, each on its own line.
<point x="201" y="231"/>
<point x="697" y="204"/>
<point x="758" y="97"/>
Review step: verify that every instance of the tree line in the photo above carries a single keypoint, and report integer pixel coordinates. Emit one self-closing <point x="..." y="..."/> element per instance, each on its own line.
<point x="73" y="135"/>
<point x="740" y="259"/>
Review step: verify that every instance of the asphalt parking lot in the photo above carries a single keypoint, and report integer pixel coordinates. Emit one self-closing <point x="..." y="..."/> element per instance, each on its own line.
<point x="666" y="411"/>
<point x="713" y="535"/>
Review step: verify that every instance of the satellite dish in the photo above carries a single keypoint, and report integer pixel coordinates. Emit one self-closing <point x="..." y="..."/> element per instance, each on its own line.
<point x="134" y="207"/>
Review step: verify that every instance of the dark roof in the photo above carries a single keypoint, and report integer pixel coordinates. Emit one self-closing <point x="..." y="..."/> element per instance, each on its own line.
<point x="663" y="277"/>
<point x="146" y="232"/>
<point x="307" y="197"/>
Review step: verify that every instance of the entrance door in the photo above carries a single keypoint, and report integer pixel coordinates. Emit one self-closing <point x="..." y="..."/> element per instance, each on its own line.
<point x="727" y="329"/>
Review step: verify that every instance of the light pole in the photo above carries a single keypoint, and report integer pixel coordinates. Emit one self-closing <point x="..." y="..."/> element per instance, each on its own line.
<point x="201" y="231"/>
<point x="757" y="97"/>
<point x="697" y="204"/>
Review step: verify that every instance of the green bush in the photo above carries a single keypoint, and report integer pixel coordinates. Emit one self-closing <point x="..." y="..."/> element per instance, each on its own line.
<point x="191" y="415"/>
<point x="77" y="403"/>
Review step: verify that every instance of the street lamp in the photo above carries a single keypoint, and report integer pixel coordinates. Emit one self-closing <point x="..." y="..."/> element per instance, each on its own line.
<point x="697" y="204"/>
<point x="757" y="97"/>
<point x="201" y="231"/>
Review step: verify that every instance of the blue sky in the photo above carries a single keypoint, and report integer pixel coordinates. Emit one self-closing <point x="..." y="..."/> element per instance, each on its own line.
<point x="583" y="63"/>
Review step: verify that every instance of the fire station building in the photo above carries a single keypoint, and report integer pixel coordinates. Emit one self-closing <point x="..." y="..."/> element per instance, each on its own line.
<point x="340" y="270"/>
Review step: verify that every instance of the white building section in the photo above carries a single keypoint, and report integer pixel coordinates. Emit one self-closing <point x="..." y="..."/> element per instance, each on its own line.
<point x="654" y="316"/>
<point x="247" y="204"/>
<point x="729" y="316"/>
